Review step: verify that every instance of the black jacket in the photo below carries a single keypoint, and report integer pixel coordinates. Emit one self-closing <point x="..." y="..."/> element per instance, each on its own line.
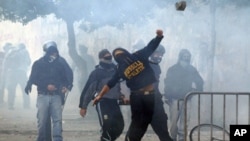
<point x="181" y="80"/>
<point x="138" y="73"/>
<point x="97" y="79"/>
<point x="44" y="73"/>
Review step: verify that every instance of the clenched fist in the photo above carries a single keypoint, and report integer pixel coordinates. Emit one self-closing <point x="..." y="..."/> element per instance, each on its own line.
<point x="159" y="32"/>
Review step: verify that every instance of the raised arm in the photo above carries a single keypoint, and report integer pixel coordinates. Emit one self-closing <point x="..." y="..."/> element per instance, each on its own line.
<point x="152" y="45"/>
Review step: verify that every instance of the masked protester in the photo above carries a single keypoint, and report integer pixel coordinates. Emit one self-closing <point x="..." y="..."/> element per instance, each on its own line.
<point x="139" y="76"/>
<point x="15" y="65"/>
<point x="49" y="75"/>
<point x="180" y="79"/>
<point x="69" y="75"/>
<point x="108" y="108"/>
<point x="160" y="118"/>
<point x="6" y="49"/>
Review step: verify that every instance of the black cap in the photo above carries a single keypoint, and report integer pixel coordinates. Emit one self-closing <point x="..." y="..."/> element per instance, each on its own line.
<point x="103" y="52"/>
<point x="52" y="50"/>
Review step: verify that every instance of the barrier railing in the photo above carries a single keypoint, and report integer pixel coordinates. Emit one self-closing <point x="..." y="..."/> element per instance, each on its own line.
<point x="214" y="109"/>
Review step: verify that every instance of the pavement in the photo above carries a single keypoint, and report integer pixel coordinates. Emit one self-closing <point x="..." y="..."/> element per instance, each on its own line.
<point x="20" y="124"/>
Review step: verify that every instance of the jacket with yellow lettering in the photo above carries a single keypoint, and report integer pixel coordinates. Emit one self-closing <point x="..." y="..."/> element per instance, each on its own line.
<point x="135" y="68"/>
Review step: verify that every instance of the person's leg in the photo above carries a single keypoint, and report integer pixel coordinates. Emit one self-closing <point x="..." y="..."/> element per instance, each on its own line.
<point x="11" y="85"/>
<point x="1" y="93"/>
<point x="2" y="88"/>
<point x="142" y="108"/>
<point x="48" y="129"/>
<point x="26" y="98"/>
<point x="104" y="119"/>
<point x="159" y="121"/>
<point x="11" y="88"/>
<point x="110" y="119"/>
<point x="56" y="114"/>
<point x="181" y="122"/>
<point x="118" y="121"/>
<point x="42" y="116"/>
<point x="173" y="109"/>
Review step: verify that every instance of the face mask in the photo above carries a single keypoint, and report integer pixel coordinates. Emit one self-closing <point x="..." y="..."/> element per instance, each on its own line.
<point x="107" y="58"/>
<point x="120" y="58"/>
<point x="184" y="63"/>
<point x="106" y="61"/>
<point x="52" y="58"/>
<point x="155" y="59"/>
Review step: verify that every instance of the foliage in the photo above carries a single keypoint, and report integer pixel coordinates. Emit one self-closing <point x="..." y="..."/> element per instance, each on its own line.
<point x="94" y="13"/>
<point x="24" y="11"/>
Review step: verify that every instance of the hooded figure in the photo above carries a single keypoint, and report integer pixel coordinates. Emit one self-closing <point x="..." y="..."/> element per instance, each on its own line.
<point x="51" y="54"/>
<point x="111" y="119"/>
<point x="135" y="69"/>
<point x="53" y="79"/>
<point x="184" y="58"/>
<point x="123" y="57"/>
<point x="105" y="59"/>
<point x="181" y="78"/>
<point x="156" y="57"/>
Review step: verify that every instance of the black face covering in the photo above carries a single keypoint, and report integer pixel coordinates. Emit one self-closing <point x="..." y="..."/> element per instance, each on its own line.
<point x="108" y="58"/>
<point x="123" y="58"/>
<point x="106" y="65"/>
<point x="119" y="58"/>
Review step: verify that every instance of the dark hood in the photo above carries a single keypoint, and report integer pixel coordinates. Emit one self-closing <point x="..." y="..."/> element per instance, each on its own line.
<point x="185" y="56"/>
<point x="124" y="57"/>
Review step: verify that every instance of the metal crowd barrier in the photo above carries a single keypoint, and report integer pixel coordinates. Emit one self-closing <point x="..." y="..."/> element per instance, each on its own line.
<point x="233" y="108"/>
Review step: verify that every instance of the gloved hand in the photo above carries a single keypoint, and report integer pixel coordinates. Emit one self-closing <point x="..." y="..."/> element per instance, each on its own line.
<point x="27" y="89"/>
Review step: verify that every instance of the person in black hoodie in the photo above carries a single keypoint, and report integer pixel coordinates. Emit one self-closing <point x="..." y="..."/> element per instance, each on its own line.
<point x="69" y="76"/>
<point x="108" y="108"/>
<point x="135" y="69"/>
<point x="50" y="76"/>
<point x="160" y="118"/>
<point x="180" y="79"/>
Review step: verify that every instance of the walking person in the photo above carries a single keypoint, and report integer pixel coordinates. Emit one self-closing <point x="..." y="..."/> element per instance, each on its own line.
<point x="139" y="76"/>
<point x="7" y="47"/>
<point x="69" y="75"/>
<point x="15" y="65"/>
<point x="49" y="75"/>
<point x="180" y="79"/>
<point x="160" y="118"/>
<point x="108" y="108"/>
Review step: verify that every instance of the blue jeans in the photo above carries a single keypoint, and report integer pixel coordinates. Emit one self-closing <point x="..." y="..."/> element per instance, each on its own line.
<point x="49" y="106"/>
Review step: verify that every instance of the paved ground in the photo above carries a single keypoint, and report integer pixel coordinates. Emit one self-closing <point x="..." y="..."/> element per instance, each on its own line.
<point x="20" y="124"/>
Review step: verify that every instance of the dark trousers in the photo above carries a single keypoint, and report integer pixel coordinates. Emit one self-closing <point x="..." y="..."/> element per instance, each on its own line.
<point x="111" y="119"/>
<point x="142" y="109"/>
<point x="146" y="110"/>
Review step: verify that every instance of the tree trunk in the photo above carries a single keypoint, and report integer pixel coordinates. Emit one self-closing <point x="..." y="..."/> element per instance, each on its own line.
<point x="79" y="62"/>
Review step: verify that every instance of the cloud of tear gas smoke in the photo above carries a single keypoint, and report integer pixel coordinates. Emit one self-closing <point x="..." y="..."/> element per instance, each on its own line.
<point x="219" y="46"/>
